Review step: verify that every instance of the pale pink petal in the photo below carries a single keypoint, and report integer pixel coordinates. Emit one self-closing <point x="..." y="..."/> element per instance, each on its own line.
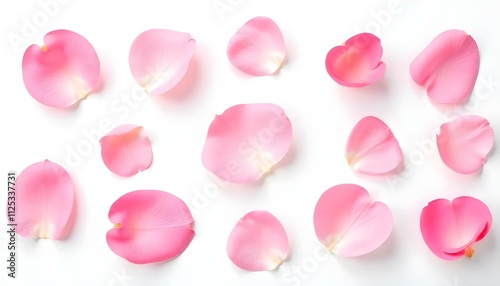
<point x="126" y="150"/>
<point x="149" y="226"/>
<point x="464" y="143"/>
<point x="159" y="59"/>
<point x="258" y="48"/>
<point x="357" y="62"/>
<point x="258" y="242"/>
<point x="44" y="201"/>
<point x="246" y="141"/>
<point x="62" y="71"/>
<point x="448" y="67"/>
<point x="450" y="228"/>
<point x="372" y="148"/>
<point x="348" y="224"/>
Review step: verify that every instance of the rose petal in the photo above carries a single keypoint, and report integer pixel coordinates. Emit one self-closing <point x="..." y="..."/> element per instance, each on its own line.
<point x="372" y="148"/>
<point x="448" y="67"/>
<point x="258" y="48"/>
<point x="61" y="72"/>
<point x="464" y="143"/>
<point x="159" y="59"/>
<point x="126" y="150"/>
<point x="450" y="228"/>
<point x="246" y="141"/>
<point x="347" y="224"/>
<point x="357" y="62"/>
<point x="44" y="201"/>
<point x="149" y="226"/>
<point x="258" y="242"/>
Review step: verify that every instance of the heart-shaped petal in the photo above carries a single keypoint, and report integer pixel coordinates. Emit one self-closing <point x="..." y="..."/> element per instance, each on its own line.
<point x="448" y="67"/>
<point x="258" y="48"/>
<point x="357" y="62"/>
<point x="44" y="201"/>
<point x="451" y="228"/>
<point x="465" y="142"/>
<point x="372" y="148"/>
<point x="348" y="224"/>
<point x="149" y="226"/>
<point x="246" y="141"/>
<point x="62" y="71"/>
<point x="159" y="59"/>
<point x="126" y="150"/>
<point x="258" y="242"/>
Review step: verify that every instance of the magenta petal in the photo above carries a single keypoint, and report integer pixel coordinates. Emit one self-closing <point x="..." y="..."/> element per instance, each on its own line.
<point x="44" y="201"/>
<point x="348" y="224"/>
<point x="464" y="143"/>
<point x="126" y="150"/>
<point x="246" y="141"/>
<point x="258" y="48"/>
<point x="149" y="226"/>
<point x="450" y="228"/>
<point x="159" y="59"/>
<point x="448" y="67"/>
<point x="61" y="72"/>
<point x="372" y="148"/>
<point x="357" y="62"/>
<point x="258" y="242"/>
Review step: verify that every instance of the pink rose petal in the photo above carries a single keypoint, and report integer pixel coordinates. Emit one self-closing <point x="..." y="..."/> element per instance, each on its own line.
<point x="451" y="228"/>
<point x="61" y="72"/>
<point x="126" y="150"/>
<point x="159" y="59"/>
<point x="258" y="242"/>
<point x="258" y="48"/>
<point x="149" y="226"/>
<point x="372" y="148"/>
<point x="348" y="224"/>
<point x="246" y="141"/>
<point x="44" y="201"/>
<point x="357" y="62"/>
<point x="464" y="143"/>
<point x="448" y="67"/>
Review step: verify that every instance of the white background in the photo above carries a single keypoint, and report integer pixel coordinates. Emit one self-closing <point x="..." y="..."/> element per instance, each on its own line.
<point x="322" y="113"/>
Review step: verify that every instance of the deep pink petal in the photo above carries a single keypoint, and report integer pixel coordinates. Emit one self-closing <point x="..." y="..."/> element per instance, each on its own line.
<point x="348" y="224"/>
<point x="159" y="59"/>
<point x="449" y="228"/>
<point x="258" y="48"/>
<point x="44" y="200"/>
<point x="126" y="150"/>
<point x="61" y="72"/>
<point x="246" y="141"/>
<point x="258" y="242"/>
<point x="149" y="226"/>
<point x="448" y="67"/>
<point x="372" y="148"/>
<point x="357" y="62"/>
<point x="464" y="143"/>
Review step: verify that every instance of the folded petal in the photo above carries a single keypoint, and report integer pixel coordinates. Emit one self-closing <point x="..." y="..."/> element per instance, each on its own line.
<point x="348" y="224"/>
<point x="448" y="67"/>
<point x="126" y="150"/>
<point x="258" y="48"/>
<point x="159" y="59"/>
<point x="44" y="201"/>
<point x="246" y="141"/>
<point x="450" y="228"/>
<point x="357" y="62"/>
<point x="62" y="71"/>
<point x="258" y="242"/>
<point x="149" y="226"/>
<point x="372" y="148"/>
<point x="464" y="143"/>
